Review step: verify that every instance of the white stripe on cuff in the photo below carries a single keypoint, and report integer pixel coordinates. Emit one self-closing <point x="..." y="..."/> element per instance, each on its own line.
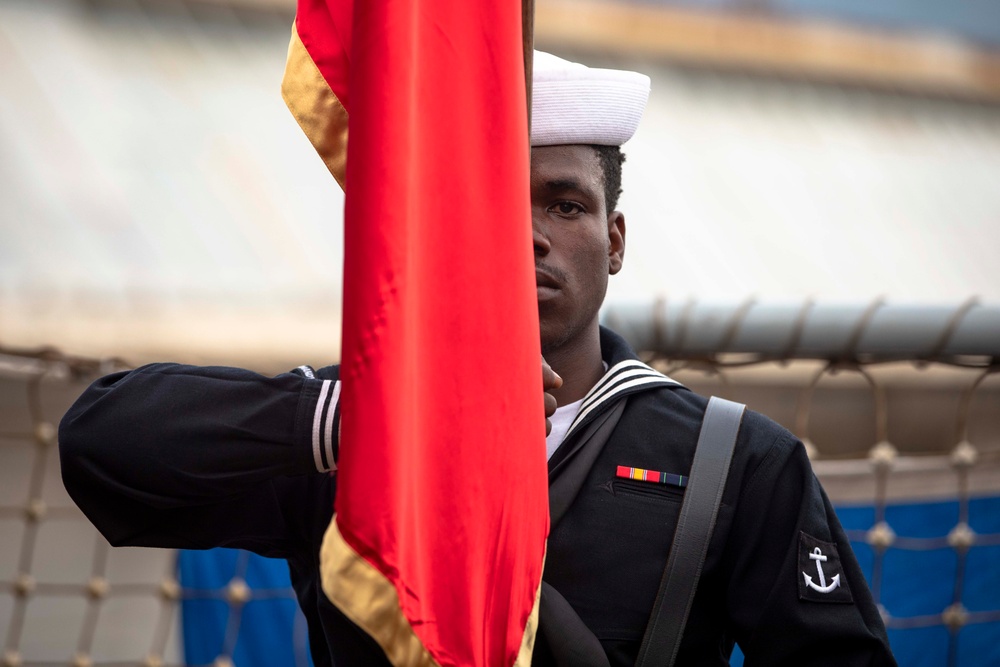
<point x="317" y="419"/>
<point x="328" y="426"/>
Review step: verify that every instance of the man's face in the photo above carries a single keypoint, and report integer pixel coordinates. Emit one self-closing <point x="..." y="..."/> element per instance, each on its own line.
<point x="578" y="244"/>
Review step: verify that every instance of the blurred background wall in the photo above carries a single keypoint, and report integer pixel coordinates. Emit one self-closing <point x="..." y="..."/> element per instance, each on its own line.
<point x="157" y="201"/>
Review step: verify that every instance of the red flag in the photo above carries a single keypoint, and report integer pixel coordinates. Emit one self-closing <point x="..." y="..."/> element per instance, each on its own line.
<point x="438" y="540"/>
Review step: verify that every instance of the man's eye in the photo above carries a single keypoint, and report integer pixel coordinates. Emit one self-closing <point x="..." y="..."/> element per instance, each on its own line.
<point x="567" y="208"/>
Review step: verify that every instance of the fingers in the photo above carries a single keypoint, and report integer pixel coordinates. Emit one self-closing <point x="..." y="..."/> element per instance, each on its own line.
<point x="550" y="409"/>
<point x="550" y="381"/>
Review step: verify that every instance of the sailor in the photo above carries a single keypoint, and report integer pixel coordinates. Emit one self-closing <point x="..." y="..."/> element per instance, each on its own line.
<point x="178" y="456"/>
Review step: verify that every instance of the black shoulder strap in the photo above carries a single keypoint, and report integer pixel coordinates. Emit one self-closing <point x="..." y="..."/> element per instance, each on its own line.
<point x="709" y="471"/>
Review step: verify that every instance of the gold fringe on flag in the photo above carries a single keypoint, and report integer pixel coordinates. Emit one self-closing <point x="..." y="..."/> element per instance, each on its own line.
<point x="318" y="111"/>
<point x="370" y="600"/>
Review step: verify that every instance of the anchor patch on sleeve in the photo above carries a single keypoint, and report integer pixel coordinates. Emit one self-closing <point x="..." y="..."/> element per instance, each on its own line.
<point x="821" y="578"/>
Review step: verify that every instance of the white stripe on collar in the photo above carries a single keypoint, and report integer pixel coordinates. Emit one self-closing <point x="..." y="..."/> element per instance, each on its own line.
<point x="620" y="378"/>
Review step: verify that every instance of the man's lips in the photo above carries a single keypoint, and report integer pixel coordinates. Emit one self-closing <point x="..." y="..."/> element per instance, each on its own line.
<point x="543" y="279"/>
<point x="547" y="287"/>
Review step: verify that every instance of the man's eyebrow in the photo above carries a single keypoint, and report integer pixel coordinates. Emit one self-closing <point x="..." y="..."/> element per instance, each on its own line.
<point x="564" y="184"/>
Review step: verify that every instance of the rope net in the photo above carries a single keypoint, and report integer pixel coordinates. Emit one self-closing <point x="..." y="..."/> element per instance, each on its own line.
<point x="876" y="432"/>
<point x="918" y="430"/>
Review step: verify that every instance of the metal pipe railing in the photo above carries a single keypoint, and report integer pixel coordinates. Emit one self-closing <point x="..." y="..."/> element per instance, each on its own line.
<point x="967" y="334"/>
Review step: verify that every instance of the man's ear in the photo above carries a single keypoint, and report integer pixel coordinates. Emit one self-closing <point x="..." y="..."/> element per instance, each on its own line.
<point x="616" y="236"/>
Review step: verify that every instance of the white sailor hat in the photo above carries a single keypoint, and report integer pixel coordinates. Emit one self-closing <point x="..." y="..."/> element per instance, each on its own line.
<point x="575" y="104"/>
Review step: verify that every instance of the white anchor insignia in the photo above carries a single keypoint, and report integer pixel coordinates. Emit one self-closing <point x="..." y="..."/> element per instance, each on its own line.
<point x="817" y="555"/>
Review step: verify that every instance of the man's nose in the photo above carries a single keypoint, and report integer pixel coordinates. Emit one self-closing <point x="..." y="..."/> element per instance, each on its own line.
<point x="540" y="240"/>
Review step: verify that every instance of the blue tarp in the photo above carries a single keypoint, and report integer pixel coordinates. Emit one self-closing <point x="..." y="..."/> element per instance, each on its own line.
<point x="269" y="630"/>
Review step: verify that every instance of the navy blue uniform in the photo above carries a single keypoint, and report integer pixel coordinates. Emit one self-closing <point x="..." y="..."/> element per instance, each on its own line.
<point x="190" y="457"/>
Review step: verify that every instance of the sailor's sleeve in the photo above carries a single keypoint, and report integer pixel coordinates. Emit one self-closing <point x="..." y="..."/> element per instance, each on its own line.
<point x="796" y="595"/>
<point x="196" y="457"/>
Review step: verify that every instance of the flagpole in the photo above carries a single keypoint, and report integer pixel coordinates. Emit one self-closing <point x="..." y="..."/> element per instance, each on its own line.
<point x="528" y="44"/>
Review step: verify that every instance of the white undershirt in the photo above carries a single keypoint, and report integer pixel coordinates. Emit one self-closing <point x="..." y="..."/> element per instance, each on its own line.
<point x="561" y="421"/>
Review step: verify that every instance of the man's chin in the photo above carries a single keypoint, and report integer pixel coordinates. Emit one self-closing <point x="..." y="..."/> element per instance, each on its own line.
<point x="556" y="328"/>
<point x="551" y="336"/>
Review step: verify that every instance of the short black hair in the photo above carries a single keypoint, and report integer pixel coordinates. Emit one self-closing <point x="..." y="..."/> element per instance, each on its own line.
<point x="611" y="159"/>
